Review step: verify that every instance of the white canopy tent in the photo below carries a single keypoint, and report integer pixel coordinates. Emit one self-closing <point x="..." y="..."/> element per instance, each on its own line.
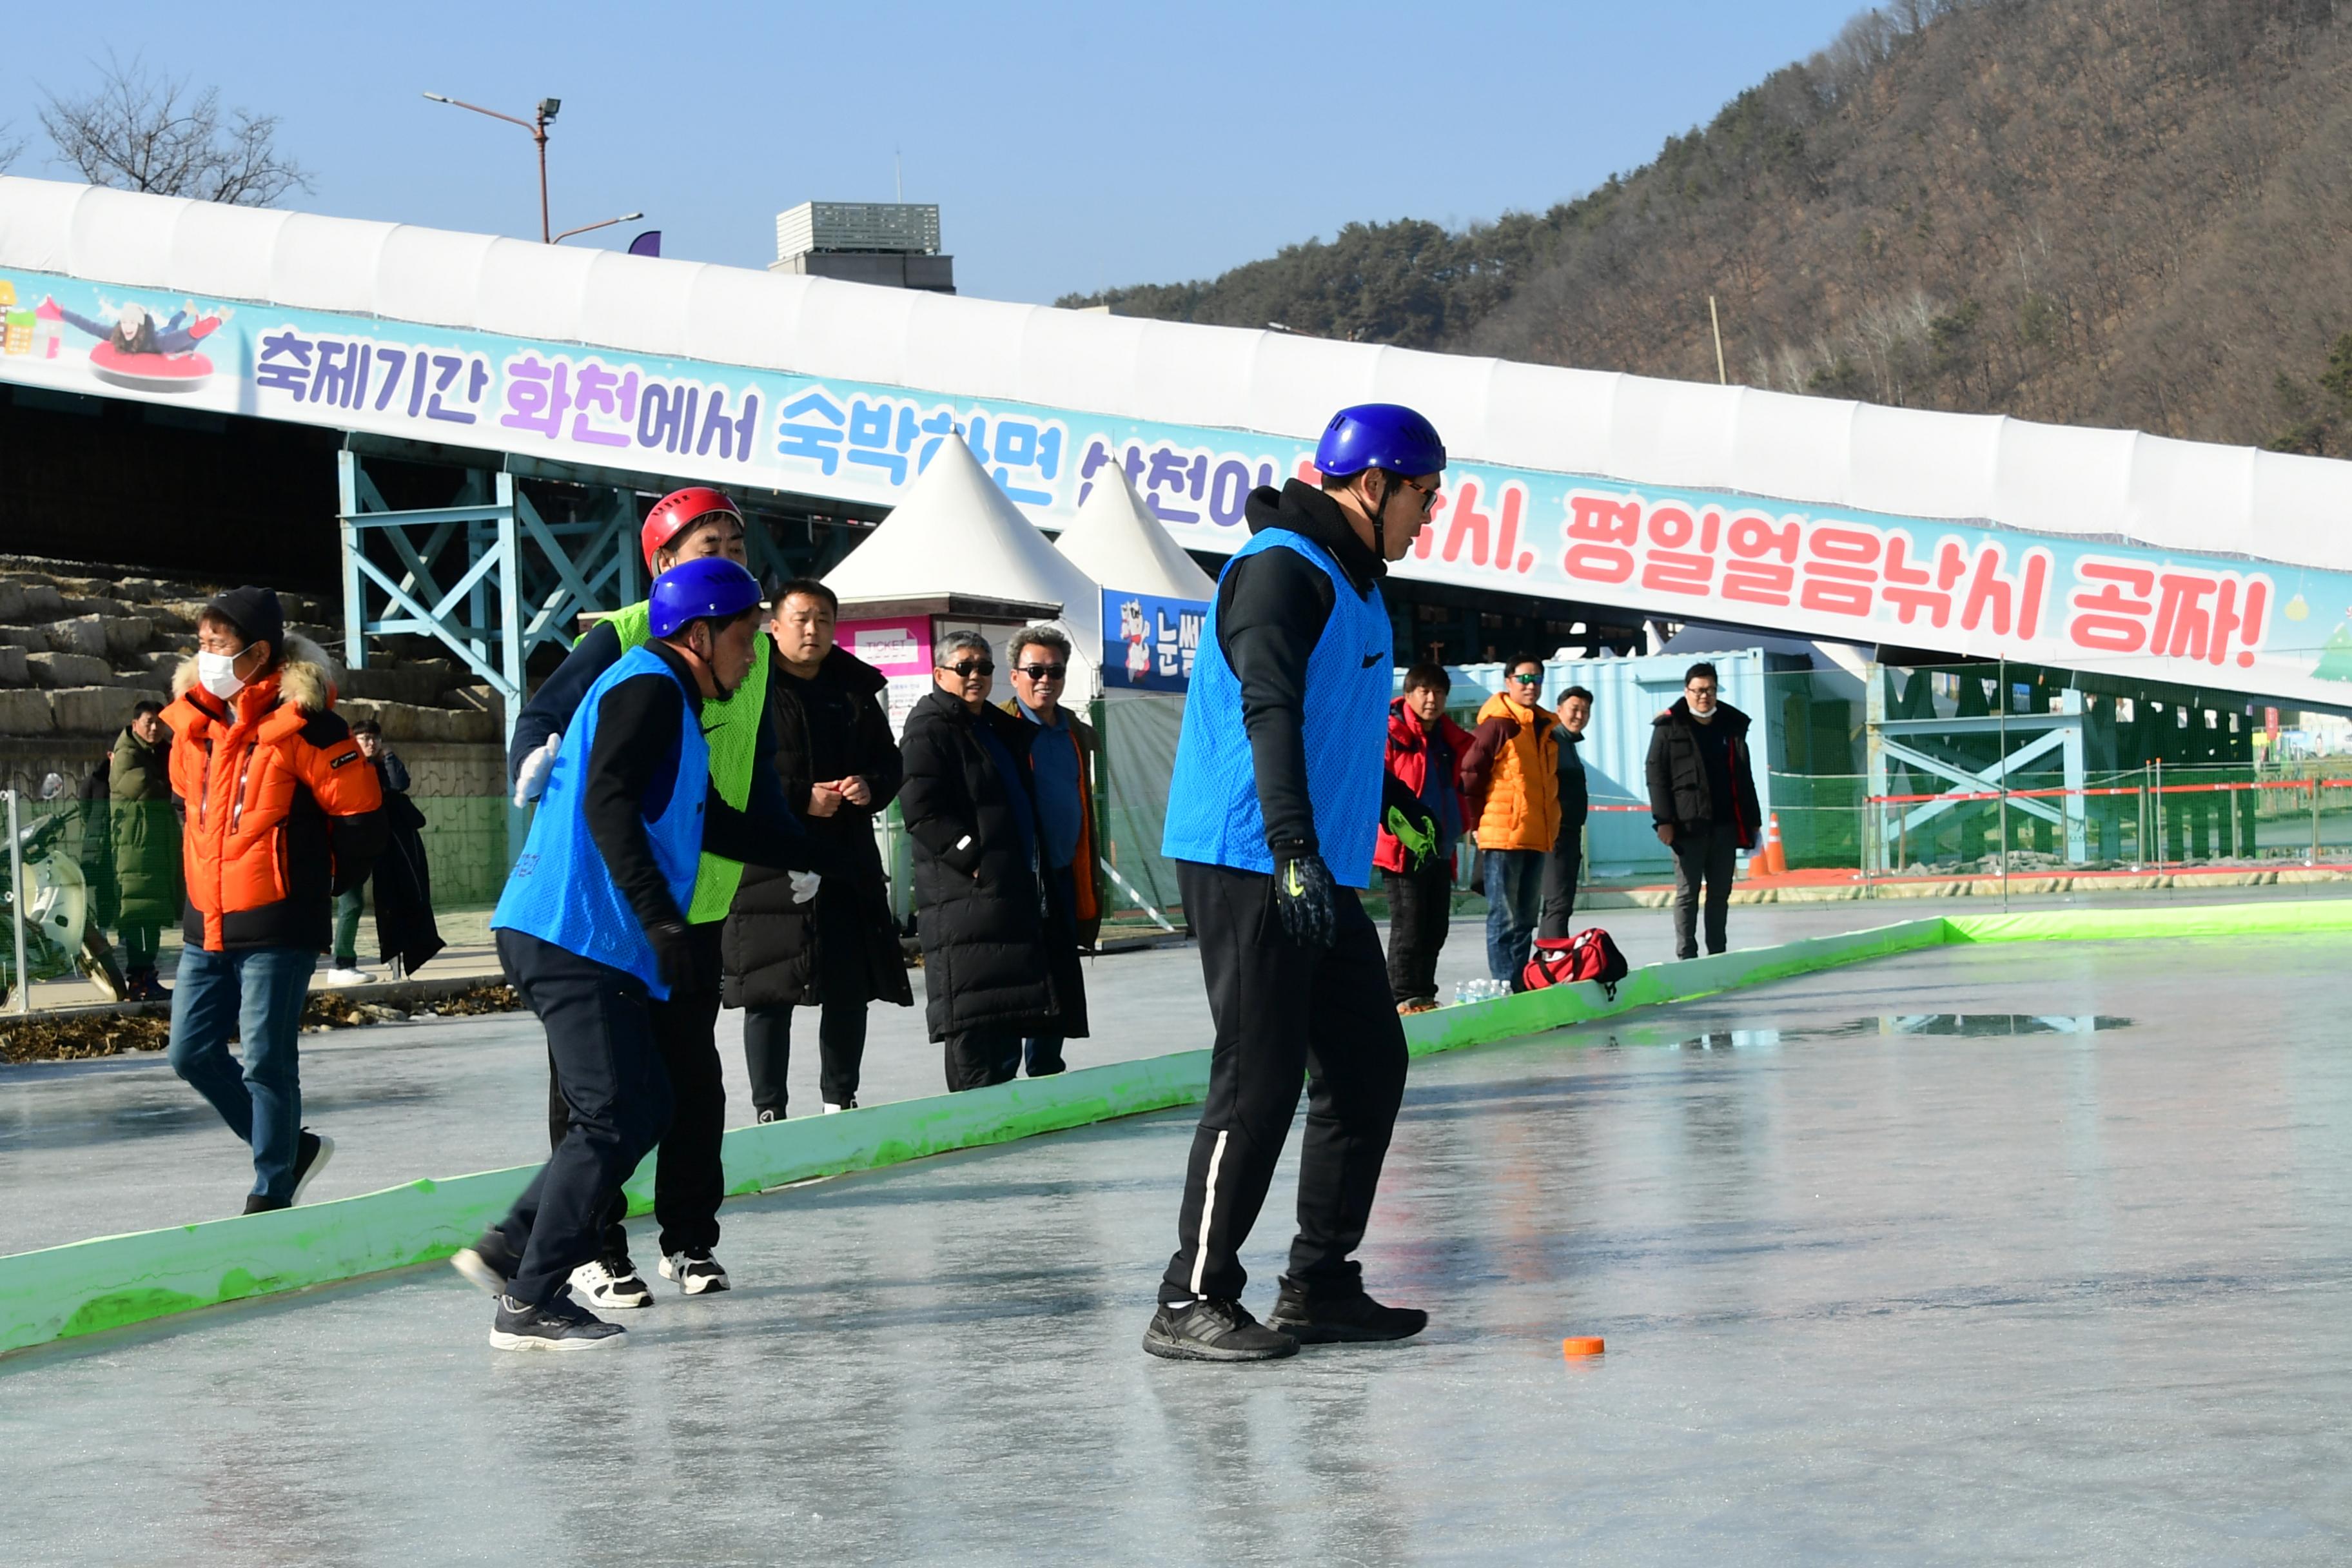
<point x="958" y="532"/>
<point x="1115" y="541"/>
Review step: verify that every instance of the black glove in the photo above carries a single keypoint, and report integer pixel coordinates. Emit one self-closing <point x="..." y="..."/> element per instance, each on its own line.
<point x="673" y="956"/>
<point x="1302" y="896"/>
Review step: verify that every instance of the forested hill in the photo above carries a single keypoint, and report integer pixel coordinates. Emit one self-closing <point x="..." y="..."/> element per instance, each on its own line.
<point x="2130" y="213"/>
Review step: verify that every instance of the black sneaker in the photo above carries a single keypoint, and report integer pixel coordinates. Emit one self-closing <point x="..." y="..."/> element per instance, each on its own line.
<point x="1341" y="1317"/>
<point x="561" y="1325"/>
<point x="491" y="1262"/>
<point x="1214" y="1330"/>
<point x="262" y="1203"/>
<point x="311" y="1157"/>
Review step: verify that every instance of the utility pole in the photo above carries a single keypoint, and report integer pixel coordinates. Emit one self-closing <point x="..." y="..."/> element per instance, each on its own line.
<point x="1716" y="322"/>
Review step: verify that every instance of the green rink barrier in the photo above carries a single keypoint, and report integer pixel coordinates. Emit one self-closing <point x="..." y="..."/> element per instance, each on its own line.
<point x="62" y="1292"/>
<point x="2276" y="918"/>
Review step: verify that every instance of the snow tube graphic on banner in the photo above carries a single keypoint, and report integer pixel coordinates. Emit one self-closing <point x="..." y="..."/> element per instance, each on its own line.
<point x="150" y="373"/>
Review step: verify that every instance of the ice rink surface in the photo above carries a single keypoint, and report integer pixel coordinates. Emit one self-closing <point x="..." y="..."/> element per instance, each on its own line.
<point x="1977" y="1255"/>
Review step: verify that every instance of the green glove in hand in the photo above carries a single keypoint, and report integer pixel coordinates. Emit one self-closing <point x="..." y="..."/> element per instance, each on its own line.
<point x="1302" y="896"/>
<point x="1417" y="831"/>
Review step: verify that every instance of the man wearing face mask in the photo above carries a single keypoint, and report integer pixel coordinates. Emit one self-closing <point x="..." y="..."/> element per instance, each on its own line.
<point x="282" y="814"/>
<point x="690" y="524"/>
<point x="592" y="929"/>
<point x="1278" y="791"/>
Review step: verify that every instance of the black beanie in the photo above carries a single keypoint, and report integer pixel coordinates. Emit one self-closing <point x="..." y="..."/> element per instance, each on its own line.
<point x="255" y="613"/>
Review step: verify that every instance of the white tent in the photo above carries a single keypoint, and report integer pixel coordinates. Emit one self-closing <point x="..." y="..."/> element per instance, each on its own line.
<point x="1115" y="541"/>
<point x="958" y="532"/>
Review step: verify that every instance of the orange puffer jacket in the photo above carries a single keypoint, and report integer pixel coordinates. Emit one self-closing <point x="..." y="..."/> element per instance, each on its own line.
<point x="282" y="812"/>
<point x="1514" y="766"/>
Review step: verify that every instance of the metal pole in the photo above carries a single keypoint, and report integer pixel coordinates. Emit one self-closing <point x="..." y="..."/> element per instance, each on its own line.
<point x="1715" y="322"/>
<point x="16" y="907"/>
<point x="2315" y="818"/>
<point x="2002" y="728"/>
<point x="539" y="134"/>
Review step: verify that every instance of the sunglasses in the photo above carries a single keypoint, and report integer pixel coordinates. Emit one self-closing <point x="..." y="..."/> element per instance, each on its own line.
<point x="1042" y="671"/>
<point x="971" y="668"/>
<point x="1428" y="493"/>
<point x="1527" y="680"/>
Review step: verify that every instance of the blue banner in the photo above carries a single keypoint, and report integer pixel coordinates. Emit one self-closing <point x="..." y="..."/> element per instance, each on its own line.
<point x="1148" y="641"/>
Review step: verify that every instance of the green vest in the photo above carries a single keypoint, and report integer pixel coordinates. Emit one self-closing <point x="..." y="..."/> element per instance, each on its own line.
<point x="732" y="726"/>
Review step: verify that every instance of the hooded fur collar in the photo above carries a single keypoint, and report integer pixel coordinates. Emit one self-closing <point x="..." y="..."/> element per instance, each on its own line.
<point x="306" y="677"/>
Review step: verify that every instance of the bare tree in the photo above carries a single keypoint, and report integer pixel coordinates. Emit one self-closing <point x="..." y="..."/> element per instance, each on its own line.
<point x="11" y="147"/>
<point x="140" y="131"/>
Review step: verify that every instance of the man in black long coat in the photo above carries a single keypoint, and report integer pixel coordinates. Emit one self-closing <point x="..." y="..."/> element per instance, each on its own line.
<point x="983" y="918"/>
<point x="839" y="950"/>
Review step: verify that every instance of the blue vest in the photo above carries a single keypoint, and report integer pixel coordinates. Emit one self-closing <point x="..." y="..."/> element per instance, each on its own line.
<point x="1214" y="814"/>
<point x="560" y="891"/>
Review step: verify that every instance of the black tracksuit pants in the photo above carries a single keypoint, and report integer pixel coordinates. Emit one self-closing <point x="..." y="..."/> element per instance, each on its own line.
<point x="600" y="1035"/>
<point x="1282" y="1014"/>
<point x="1421" y="905"/>
<point x="690" y="1180"/>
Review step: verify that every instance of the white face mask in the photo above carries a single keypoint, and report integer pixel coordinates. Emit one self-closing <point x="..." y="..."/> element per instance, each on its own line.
<point x="216" y="673"/>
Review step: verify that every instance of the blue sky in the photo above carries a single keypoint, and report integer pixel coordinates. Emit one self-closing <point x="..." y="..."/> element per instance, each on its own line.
<point x="1070" y="146"/>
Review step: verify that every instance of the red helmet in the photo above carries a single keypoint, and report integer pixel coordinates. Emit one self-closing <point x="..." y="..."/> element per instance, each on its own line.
<point x="678" y="511"/>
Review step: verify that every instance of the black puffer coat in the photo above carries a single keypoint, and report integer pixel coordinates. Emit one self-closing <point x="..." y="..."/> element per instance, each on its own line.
<point x="842" y="945"/>
<point x="1677" y="774"/>
<point x="985" y="958"/>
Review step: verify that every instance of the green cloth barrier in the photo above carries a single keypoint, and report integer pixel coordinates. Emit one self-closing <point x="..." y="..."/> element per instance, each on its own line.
<point x="61" y="1292"/>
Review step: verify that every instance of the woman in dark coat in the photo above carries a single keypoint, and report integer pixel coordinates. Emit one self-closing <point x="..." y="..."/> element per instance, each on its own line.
<point x="840" y="950"/>
<point x="405" y="932"/>
<point x="976" y="834"/>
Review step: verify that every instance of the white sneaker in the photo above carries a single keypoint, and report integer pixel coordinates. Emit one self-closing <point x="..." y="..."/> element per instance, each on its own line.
<point x="832" y="1109"/>
<point x="600" y="1284"/>
<point x="697" y="1272"/>
<point x="350" y="977"/>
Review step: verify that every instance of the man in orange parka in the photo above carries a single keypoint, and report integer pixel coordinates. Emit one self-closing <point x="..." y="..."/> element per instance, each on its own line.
<point x="1512" y="767"/>
<point x="281" y="814"/>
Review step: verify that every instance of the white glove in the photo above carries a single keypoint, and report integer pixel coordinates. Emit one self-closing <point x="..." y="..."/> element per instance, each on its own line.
<point x="530" y="782"/>
<point x="804" y="886"/>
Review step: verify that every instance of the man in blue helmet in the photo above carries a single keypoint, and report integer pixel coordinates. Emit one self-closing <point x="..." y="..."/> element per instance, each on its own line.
<point x="591" y="929"/>
<point x="1280" y="783"/>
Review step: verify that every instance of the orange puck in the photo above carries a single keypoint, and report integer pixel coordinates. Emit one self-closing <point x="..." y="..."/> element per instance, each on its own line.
<point x="1580" y="1346"/>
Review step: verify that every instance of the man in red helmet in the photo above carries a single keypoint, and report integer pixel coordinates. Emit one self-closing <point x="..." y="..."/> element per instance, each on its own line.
<point x="685" y="525"/>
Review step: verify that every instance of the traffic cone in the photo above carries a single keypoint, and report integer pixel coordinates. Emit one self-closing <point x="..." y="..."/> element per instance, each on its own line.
<point x="1775" y="858"/>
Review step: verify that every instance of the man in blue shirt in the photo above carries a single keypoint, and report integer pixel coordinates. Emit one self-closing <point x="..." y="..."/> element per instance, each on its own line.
<point x="1060" y="779"/>
<point x="592" y="931"/>
<point x="1277" y="792"/>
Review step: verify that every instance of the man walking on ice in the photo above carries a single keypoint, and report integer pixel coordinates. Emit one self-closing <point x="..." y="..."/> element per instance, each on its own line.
<point x="1279" y="786"/>
<point x="592" y="930"/>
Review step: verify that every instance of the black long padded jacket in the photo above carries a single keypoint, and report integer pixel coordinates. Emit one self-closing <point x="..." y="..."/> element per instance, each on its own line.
<point x="981" y="920"/>
<point x="770" y="947"/>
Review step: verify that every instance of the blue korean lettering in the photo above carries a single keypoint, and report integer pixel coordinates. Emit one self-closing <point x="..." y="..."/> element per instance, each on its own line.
<point x="811" y="429"/>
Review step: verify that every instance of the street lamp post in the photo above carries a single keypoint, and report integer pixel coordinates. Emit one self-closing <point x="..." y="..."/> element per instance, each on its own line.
<point x="587" y="228"/>
<point x="537" y="125"/>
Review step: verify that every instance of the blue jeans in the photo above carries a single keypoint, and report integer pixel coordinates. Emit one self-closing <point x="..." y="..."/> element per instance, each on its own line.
<point x="1514" y="902"/>
<point x="255" y="993"/>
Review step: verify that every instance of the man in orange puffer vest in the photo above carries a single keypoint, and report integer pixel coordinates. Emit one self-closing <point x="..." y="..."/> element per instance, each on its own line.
<point x="1513" y="767"/>
<point x="282" y="812"/>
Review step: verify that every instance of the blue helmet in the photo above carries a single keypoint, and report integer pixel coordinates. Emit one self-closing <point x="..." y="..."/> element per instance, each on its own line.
<point x="1380" y="435"/>
<point x="712" y="586"/>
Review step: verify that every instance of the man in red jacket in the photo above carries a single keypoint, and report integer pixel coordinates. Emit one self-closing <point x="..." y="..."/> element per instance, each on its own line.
<point x="1427" y="752"/>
